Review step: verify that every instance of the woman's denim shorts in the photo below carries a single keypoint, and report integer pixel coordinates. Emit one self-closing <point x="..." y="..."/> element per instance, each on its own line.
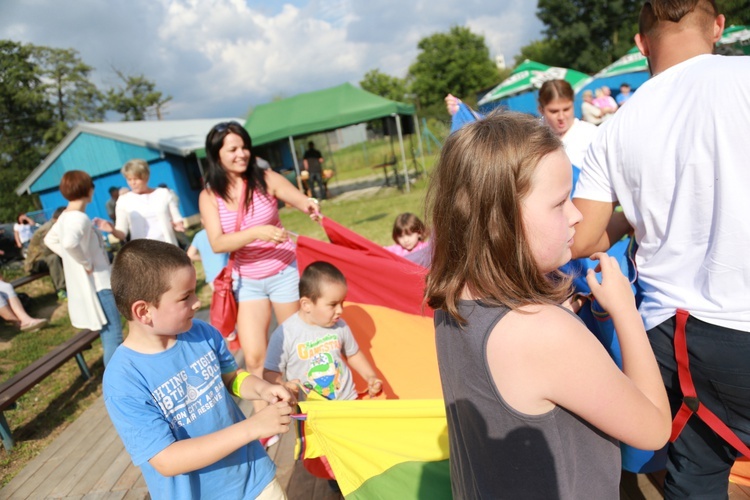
<point x="280" y="288"/>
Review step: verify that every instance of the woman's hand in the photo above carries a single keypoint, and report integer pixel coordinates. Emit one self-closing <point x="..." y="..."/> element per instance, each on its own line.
<point x="614" y="292"/>
<point x="178" y="226"/>
<point x="271" y="234"/>
<point x="103" y="225"/>
<point x="313" y="209"/>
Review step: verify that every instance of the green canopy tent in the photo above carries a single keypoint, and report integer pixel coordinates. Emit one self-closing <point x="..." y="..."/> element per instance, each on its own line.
<point x="530" y="75"/>
<point x="632" y="62"/>
<point x="325" y="110"/>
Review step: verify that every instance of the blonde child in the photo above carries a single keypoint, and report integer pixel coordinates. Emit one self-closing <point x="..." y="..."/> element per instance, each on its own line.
<point x="409" y="233"/>
<point x="167" y="387"/>
<point x="535" y="405"/>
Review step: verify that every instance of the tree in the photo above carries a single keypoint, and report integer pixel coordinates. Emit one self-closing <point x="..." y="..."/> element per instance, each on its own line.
<point x="390" y="87"/>
<point x="541" y="51"/>
<point x="137" y="99"/>
<point x="589" y="34"/>
<point x="73" y="96"/>
<point x="25" y="116"/>
<point x="457" y="62"/>
<point x="736" y="11"/>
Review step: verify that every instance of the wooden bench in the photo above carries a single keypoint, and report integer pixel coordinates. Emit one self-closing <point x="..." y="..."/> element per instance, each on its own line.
<point x="23" y="381"/>
<point x="25" y="280"/>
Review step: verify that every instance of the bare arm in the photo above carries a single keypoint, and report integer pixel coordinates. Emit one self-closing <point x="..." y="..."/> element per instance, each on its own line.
<point x="192" y="252"/>
<point x="276" y="378"/>
<point x="255" y="388"/>
<point x="591" y="233"/>
<point x="229" y="242"/>
<point x="361" y="365"/>
<point x="567" y="366"/>
<point x="107" y="226"/>
<point x="192" y="454"/>
<point x="285" y="191"/>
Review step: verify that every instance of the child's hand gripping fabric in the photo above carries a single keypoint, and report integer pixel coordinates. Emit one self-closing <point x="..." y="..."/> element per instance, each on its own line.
<point x="614" y="293"/>
<point x="374" y="386"/>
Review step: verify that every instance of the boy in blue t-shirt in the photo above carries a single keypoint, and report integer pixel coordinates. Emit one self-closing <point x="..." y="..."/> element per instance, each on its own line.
<point x="167" y="387"/>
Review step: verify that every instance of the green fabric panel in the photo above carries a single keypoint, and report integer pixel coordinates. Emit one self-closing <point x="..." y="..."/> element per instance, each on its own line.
<point x="319" y="111"/>
<point x="408" y="480"/>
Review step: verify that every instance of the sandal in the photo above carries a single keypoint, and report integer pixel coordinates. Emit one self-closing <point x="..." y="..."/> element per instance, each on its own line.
<point x="34" y="325"/>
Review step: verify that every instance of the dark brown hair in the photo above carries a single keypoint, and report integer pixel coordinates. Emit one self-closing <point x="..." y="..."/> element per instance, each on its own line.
<point x="655" y="12"/>
<point x="555" y="89"/>
<point x="142" y="271"/>
<point x="75" y="184"/>
<point x="216" y="176"/>
<point x="313" y="277"/>
<point x="474" y="206"/>
<point x="408" y="223"/>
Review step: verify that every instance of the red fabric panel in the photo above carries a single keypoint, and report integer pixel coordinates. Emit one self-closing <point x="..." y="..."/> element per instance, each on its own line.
<point x="378" y="280"/>
<point x="340" y="235"/>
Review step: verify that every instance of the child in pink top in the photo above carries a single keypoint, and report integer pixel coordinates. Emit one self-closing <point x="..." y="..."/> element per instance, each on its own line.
<point x="409" y="233"/>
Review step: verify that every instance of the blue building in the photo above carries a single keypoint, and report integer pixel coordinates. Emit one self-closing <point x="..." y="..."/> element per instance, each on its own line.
<point x="101" y="149"/>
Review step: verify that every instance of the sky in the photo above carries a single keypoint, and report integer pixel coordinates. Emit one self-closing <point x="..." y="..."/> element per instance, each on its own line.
<point x="219" y="58"/>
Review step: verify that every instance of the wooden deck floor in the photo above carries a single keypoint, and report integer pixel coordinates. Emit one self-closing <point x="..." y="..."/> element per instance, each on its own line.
<point x="88" y="461"/>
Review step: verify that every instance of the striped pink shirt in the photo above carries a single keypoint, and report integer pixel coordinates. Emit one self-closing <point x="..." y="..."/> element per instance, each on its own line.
<point x="259" y="259"/>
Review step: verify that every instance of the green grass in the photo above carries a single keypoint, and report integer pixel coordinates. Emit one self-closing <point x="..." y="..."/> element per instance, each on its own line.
<point x="356" y="161"/>
<point x="372" y="217"/>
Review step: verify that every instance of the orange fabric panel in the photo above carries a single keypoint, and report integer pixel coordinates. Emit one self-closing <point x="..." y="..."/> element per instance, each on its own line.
<point x="741" y="472"/>
<point x="401" y="346"/>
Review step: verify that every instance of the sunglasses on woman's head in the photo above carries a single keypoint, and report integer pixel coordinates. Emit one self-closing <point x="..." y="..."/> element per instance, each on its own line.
<point x="224" y="126"/>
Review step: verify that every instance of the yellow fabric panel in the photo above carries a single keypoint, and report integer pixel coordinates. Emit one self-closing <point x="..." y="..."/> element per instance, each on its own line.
<point x="362" y="439"/>
<point x="401" y="346"/>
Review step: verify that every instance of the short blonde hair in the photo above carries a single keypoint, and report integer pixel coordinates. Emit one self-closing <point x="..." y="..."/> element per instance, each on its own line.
<point x="136" y="168"/>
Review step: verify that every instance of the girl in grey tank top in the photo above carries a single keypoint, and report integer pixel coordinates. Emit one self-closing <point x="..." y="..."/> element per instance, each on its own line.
<point x="535" y="406"/>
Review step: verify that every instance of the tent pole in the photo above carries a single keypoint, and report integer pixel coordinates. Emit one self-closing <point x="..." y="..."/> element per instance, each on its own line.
<point x="330" y="153"/>
<point x="296" y="163"/>
<point x="419" y="141"/>
<point x="403" y="153"/>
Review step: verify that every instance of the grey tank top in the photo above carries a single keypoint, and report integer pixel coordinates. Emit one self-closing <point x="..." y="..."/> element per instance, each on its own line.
<point x="498" y="452"/>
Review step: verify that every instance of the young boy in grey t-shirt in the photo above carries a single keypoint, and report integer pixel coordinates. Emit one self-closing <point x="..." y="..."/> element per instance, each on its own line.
<point x="307" y="348"/>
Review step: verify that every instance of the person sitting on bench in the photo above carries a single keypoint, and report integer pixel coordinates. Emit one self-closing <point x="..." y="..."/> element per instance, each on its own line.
<point x="12" y="310"/>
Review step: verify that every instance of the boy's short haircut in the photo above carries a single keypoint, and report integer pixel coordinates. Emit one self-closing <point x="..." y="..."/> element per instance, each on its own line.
<point x="142" y="271"/>
<point x="310" y="283"/>
<point x="665" y="12"/>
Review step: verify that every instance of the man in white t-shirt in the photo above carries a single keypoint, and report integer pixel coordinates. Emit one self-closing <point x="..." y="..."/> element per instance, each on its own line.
<point x="676" y="159"/>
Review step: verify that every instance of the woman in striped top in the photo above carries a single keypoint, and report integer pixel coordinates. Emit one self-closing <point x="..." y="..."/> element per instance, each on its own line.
<point x="265" y="270"/>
